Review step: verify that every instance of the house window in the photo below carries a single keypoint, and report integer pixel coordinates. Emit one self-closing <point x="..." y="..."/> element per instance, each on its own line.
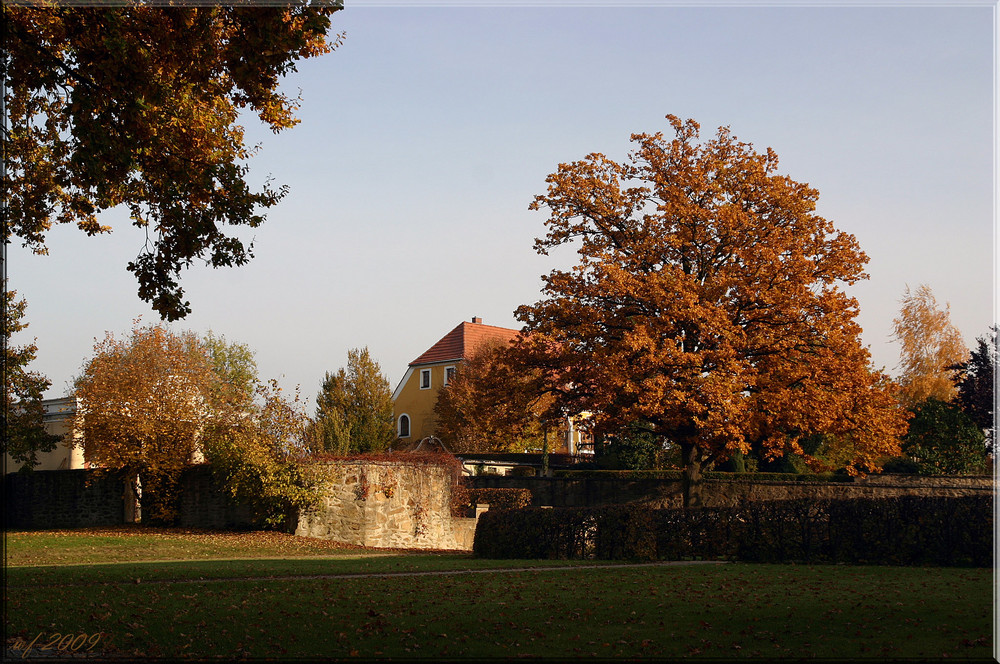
<point x="449" y="374"/>
<point x="425" y="379"/>
<point x="404" y="426"/>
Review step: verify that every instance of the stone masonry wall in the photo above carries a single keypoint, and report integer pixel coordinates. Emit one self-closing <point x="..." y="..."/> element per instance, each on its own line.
<point x="387" y="505"/>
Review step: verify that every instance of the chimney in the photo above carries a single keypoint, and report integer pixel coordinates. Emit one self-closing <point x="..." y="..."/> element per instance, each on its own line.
<point x="477" y="319"/>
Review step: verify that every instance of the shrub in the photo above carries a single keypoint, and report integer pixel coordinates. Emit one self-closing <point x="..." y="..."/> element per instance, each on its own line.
<point x="500" y="498"/>
<point x="532" y="533"/>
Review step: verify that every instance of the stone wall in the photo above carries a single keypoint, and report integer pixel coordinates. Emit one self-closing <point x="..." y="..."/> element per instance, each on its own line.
<point x="390" y="505"/>
<point x="408" y="506"/>
<point x="63" y="499"/>
<point x="592" y="491"/>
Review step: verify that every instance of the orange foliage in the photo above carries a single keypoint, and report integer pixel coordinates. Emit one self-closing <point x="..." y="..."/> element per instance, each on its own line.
<point x="707" y="301"/>
<point x="491" y="405"/>
<point x="142" y="406"/>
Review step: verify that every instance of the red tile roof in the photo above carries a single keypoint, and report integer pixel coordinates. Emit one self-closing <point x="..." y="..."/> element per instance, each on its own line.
<point x="463" y="341"/>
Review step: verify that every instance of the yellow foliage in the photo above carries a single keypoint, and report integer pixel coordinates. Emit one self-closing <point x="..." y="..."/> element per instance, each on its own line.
<point x="929" y="344"/>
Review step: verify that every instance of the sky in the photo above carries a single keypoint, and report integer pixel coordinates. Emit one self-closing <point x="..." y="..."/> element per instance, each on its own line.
<point x="425" y="136"/>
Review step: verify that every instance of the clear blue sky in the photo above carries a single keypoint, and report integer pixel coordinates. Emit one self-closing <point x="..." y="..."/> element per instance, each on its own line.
<point x="426" y="135"/>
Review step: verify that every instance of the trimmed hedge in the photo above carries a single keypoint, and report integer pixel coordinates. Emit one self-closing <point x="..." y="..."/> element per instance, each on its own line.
<point x="905" y="530"/>
<point x="501" y="498"/>
<point x="709" y="475"/>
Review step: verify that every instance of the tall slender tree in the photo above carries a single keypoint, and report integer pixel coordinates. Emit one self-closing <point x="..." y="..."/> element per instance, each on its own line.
<point x="354" y="408"/>
<point x="707" y="302"/>
<point x="929" y="347"/>
<point x="976" y="383"/>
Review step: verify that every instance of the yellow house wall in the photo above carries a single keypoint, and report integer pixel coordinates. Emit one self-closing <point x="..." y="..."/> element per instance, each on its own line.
<point x="418" y="403"/>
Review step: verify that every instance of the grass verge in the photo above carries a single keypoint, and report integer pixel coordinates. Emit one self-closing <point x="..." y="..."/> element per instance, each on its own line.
<point x="731" y="611"/>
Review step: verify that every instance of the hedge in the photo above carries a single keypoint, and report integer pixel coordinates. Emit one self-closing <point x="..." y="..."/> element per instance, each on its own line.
<point x="501" y="498"/>
<point x="709" y="475"/>
<point x="904" y="530"/>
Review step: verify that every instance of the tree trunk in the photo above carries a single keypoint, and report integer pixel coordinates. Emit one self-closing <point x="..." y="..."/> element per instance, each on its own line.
<point x="691" y="485"/>
<point x="133" y="494"/>
<point x="545" y="452"/>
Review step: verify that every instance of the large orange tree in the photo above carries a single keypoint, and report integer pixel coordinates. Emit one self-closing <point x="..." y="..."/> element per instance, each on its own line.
<point x="707" y="302"/>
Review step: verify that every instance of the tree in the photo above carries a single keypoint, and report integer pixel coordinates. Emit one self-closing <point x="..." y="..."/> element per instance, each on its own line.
<point x="236" y="372"/>
<point x="138" y="106"/>
<point x="142" y="407"/>
<point x="975" y="382"/>
<point x="634" y="447"/>
<point x="707" y="302"/>
<point x="943" y="440"/>
<point x="24" y="433"/>
<point x="930" y="345"/>
<point x="354" y="408"/>
<point x="491" y="405"/>
<point x="258" y="456"/>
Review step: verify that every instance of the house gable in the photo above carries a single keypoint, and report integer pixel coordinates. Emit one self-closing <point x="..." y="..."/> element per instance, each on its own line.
<point x="410" y="398"/>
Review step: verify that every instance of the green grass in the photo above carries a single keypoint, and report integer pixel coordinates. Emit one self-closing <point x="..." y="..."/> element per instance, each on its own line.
<point x="138" y="544"/>
<point x="730" y="611"/>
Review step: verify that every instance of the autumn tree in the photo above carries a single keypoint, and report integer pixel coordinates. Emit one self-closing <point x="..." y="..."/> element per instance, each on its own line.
<point x="929" y="346"/>
<point x="354" y="408"/>
<point x="142" y="408"/>
<point x="491" y="405"/>
<point x="707" y="302"/>
<point x="24" y="433"/>
<point x="259" y="456"/>
<point x="139" y="106"/>
<point x="975" y="380"/>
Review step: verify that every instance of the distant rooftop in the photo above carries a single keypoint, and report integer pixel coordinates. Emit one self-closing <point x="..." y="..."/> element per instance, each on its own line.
<point x="463" y="341"/>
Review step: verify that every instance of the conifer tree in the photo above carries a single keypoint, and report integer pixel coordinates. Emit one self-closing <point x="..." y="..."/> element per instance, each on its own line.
<point x="354" y="408"/>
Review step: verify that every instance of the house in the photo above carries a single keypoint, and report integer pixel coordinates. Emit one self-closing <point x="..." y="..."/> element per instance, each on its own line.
<point x="417" y="393"/>
<point x="59" y="420"/>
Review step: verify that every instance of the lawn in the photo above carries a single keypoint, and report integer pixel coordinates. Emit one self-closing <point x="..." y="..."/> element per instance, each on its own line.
<point x="317" y="603"/>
